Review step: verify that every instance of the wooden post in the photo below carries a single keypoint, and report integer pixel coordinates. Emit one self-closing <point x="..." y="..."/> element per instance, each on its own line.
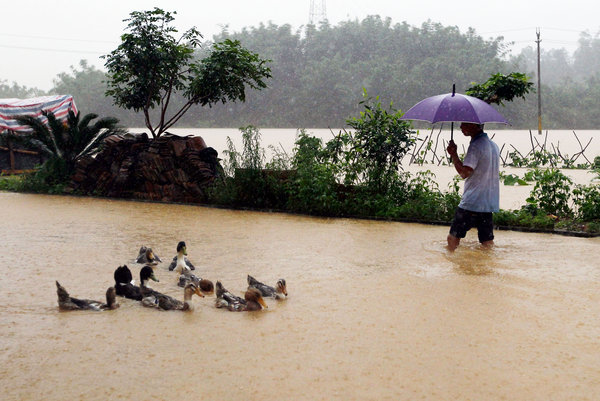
<point x="539" y="88"/>
<point x="11" y="153"/>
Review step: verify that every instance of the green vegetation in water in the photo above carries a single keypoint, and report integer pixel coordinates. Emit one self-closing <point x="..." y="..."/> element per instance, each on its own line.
<point x="357" y="173"/>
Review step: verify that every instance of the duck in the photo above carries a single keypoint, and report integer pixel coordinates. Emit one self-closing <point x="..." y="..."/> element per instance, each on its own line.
<point x="279" y="292"/>
<point x="252" y="301"/>
<point x="166" y="302"/>
<point x="147" y="256"/>
<point x="180" y="263"/>
<point x="66" y="302"/>
<point x="124" y="286"/>
<point x="155" y="299"/>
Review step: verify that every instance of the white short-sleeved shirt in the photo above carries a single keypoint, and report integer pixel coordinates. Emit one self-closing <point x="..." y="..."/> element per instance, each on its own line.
<point x="482" y="189"/>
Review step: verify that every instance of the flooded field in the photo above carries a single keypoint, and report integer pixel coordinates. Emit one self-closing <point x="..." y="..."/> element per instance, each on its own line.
<point x="376" y="310"/>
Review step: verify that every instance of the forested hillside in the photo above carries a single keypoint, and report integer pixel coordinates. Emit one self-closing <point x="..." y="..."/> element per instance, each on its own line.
<point x="319" y="74"/>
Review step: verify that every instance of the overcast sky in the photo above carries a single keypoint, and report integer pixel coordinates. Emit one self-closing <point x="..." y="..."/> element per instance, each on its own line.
<point x="40" y="39"/>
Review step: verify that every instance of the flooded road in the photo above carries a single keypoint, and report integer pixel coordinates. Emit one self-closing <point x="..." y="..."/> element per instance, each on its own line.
<point x="376" y="310"/>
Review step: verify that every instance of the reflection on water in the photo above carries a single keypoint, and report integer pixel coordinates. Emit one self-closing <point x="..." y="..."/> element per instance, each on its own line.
<point x="377" y="310"/>
<point x="474" y="260"/>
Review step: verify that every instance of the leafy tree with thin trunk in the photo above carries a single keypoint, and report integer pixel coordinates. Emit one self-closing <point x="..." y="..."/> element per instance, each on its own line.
<point x="151" y="65"/>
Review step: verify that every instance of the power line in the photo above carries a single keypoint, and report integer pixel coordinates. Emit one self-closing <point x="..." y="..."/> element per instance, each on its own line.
<point x="532" y="29"/>
<point x="52" y="50"/>
<point x="507" y="30"/>
<point x="55" y="38"/>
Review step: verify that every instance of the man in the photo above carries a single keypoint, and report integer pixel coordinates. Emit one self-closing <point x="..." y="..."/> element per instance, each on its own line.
<point x="481" y="195"/>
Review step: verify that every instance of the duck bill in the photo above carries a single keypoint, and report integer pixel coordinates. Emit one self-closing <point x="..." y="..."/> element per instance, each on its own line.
<point x="263" y="303"/>
<point x="153" y="277"/>
<point x="199" y="293"/>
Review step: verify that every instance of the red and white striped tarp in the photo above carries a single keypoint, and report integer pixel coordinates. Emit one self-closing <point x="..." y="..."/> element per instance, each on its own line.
<point x="10" y="108"/>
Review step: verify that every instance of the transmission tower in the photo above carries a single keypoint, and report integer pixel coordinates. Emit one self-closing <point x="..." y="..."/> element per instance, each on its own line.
<point x="317" y="12"/>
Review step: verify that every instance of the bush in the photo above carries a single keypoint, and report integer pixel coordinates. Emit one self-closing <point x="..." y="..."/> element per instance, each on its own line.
<point x="373" y="152"/>
<point x="551" y="192"/>
<point x="313" y="189"/>
<point x="426" y="201"/>
<point x="586" y="201"/>
<point x="50" y="178"/>
<point x="248" y="183"/>
<point x="524" y="217"/>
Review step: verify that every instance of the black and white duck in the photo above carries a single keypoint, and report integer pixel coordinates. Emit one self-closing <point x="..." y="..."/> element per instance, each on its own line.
<point x="184" y="267"/>
<point x="147" y="256"/>
<point x="252" y="301"/>
<point x="66" y="302"/>
<point x="277" y="292"/>
<point x="124" y="284"/>
<point x="180" y="263"/>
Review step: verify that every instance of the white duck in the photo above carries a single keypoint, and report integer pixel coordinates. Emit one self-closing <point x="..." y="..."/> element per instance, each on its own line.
<point x="180" y="263"/>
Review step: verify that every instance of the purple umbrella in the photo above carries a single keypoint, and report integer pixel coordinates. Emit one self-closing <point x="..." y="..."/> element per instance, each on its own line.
<point x="452" y="107"/>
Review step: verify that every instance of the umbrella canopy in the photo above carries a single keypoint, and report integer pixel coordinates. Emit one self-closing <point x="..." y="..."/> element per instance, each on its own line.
<point x="454" y="107"/>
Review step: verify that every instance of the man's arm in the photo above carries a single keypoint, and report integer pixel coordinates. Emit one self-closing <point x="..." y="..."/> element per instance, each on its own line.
<point x="462" y="170"/>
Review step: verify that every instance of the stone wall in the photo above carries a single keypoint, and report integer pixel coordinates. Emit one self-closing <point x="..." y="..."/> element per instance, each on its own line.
<point x="170" y="169"/>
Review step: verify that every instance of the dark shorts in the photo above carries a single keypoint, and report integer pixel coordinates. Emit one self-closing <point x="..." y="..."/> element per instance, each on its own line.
<point x="464" y="220"/>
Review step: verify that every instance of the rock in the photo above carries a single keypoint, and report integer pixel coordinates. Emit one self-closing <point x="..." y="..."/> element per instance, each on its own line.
<point x="170" y="168"/>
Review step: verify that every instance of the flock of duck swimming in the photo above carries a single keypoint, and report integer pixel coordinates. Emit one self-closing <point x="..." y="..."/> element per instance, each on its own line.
<point x="192" y="285"/>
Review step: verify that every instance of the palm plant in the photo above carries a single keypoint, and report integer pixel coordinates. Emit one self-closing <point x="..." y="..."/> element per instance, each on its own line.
<point x="66" y="143"/>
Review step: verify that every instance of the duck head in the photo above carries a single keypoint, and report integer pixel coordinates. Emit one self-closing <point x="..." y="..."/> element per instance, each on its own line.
<point x="281" y="286"/>
<point x="123" y="275"/>
<point x="206" y="286"/>
<point x="182" y="248"/>
<point x="254" y="296"/>
<point x="147" y="274"/>
<point x="192" y="289"/>
<point x="150" y="255"/>
<point x="111" y="298"/>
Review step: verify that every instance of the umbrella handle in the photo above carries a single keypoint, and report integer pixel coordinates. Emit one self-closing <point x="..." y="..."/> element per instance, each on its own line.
<point x="452" y="131"/>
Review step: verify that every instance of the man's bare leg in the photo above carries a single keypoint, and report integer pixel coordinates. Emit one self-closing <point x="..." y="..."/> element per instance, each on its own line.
<point x="488" y="244"/>
<point x="452" y="242"/>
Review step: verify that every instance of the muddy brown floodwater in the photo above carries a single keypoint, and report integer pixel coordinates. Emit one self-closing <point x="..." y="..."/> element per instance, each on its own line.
<point x="376" y="310"/>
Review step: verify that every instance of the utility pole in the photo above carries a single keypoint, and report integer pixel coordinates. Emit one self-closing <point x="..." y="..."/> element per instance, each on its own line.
<point x="317" y="12"/>
<point x="539" y="88"/>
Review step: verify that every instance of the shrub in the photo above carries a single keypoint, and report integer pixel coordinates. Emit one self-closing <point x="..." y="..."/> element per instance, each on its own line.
<point x="551" y="192"/>
<point x="249" y="184"/>
<point x="313" y="189"/>
<point x="524" y="217"/>
<point x="586" y="201"/>
<point x="372" y="152"/>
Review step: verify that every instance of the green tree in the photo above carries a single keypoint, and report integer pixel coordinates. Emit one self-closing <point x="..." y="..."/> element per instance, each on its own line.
<point x="151" y="65"/>
<point x="500" y="88"/>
